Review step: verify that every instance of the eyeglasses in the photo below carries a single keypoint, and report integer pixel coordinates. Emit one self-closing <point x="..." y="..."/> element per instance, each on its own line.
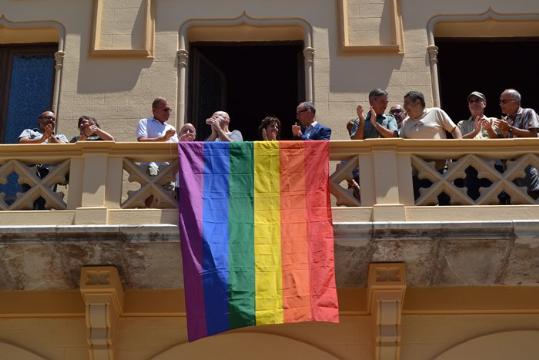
<point x="396" y="111"/>
<point x="167" y="109"/>
<point x="300" y="111"/>
<point x="47" y="117"/>
<point x="505" y="101"/>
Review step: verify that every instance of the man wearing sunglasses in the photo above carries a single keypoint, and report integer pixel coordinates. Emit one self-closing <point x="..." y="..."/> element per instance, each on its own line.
<point x="156" y="129"/>
<point x="310" y="129"/>
<point x="45" y="133"/>
<point x="477" y="126"/>
<point x="398" y="113"/>
<point x="519" y="122"/>
<point x="42" y="135"/>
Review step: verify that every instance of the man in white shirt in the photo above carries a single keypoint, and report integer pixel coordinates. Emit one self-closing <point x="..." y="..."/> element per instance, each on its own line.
<point x="156" y="129"/>
<point x="425" y="123"/>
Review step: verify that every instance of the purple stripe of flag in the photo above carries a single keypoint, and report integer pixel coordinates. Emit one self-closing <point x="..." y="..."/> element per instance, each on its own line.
<point x="191" y="189"/>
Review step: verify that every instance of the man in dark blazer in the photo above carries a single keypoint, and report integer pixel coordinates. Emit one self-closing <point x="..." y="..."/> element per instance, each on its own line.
<point x="310" y="129"/>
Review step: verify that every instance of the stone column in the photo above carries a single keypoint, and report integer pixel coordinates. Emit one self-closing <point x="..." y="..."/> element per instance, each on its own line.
<point x="433" y="60"/>
<point x="183" y="62"/>
<point x="58" y="66"/>
<point x="308" y="54"/>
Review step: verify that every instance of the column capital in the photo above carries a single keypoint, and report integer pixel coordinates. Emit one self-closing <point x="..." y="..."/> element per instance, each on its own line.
<point x="308" y="54"/>
<point x="183" y="58"/>
<point x="433" y="54"/>
<point x="59" y="60"/>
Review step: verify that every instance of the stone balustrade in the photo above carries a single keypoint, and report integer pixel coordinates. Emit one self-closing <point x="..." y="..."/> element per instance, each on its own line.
<point x="107" y="183"/>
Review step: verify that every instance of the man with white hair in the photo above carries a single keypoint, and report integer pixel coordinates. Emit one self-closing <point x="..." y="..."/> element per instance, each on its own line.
<point x="519" y="122"/>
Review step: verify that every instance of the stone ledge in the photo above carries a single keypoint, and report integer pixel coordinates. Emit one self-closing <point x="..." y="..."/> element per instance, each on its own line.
<point x="436" y="254"/>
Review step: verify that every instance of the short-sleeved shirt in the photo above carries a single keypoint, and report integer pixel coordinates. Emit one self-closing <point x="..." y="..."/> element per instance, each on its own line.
<point x="370" y="132"/>
<point x="432" y="124"/>
<point x="525" y="118"/>
<point x="235" y="135"/>
<point x="152" y="128"/>
<point x="37" y="134"/>
<point x="467" y="126"/>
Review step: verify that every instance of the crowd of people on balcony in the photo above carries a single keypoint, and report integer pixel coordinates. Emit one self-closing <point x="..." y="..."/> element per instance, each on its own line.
<point x="412" y="120"/>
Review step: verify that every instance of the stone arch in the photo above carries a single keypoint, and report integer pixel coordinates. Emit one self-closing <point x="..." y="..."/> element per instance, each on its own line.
<point x="245" y="345"/>
<point x="514" y="345"/>
<point x="10" y="351"/>
<point x="39" y="31"/>
<point x="242" y="28"/>
<point x="489" y="23"/>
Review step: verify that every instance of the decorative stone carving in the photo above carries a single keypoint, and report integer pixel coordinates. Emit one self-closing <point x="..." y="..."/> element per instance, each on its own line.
<point x="97" y="278"/>
<point x="59" y="60"/>
<point x="344" y="173"/>
<point x="38" y="187"/>
<point x="308" y="54"/>
<point x="103" y="296"/>
<point x="150" y="186"/>
<point x="487" y="169"/>
<point x="183" y="58"/>
<point x="386" y="288"/>
<point x="433" y="54"/>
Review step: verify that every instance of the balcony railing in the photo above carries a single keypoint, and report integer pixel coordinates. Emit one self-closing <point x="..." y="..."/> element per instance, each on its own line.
<point x="108" y="183"/>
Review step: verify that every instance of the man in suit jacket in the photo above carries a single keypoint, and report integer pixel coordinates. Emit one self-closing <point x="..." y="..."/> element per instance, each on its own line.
<point x="310" y="129"/>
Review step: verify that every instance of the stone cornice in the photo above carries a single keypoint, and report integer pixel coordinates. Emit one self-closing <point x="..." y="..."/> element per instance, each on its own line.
<point x="435" y="253"/>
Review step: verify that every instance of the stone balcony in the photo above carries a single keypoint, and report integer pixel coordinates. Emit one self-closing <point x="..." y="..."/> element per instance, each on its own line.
<point x="98" y="214"/>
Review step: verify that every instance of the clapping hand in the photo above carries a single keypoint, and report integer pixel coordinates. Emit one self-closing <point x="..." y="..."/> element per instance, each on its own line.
<point x="48" y="131"/>
<point x="478" y="122"/>
<point x="372" y="116"/>
<point x="486" y="124"/>
<point x="296" y="130"/>
<point x="168" y="134"/>
<point x="360" y="113"/>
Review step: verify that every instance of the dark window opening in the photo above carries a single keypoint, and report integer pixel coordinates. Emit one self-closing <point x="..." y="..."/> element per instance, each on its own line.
<point x="489" y="66"/>
<point x="247" y="80"/>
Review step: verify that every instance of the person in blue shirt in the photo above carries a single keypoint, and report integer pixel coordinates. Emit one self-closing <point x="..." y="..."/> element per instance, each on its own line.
<point x="310" y="129"/>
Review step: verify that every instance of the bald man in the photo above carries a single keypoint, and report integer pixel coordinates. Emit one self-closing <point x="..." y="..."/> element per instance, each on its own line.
<point x="220" y="122"/>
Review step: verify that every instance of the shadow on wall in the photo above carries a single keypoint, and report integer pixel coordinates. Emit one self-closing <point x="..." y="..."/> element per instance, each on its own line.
<point x="15" y="352"/>
<point x="113" y="74"/>
<point x="232" y="346"/>
<point x="514" y="345"/>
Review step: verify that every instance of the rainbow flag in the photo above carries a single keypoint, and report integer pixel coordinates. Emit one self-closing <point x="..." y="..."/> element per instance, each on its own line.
<point x="256" y="234"/>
